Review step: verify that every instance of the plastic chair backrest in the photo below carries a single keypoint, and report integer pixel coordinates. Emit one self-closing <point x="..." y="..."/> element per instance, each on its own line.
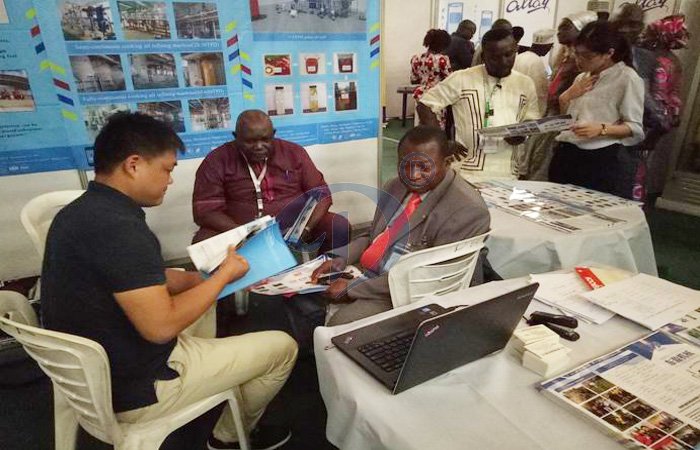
<point x="434" y="271"/>
<point x="79" y="369"/>
<point x="38" y="213"/>
<point x="16" y="307"/>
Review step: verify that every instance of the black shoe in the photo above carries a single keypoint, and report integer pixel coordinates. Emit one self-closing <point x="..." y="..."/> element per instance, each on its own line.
<point x="263" y="437"/>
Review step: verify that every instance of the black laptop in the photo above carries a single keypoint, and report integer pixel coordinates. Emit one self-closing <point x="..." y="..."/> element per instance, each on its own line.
<point x="406" y="350"/>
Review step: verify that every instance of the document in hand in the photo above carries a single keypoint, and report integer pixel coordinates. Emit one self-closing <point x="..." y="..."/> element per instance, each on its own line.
<point x="209" y="253"/>
<point x="296" y="280"/>
<point x="267" y="255"/>
<point x="530" y="127"/>
<point x="293" y="235"/>
<point x="649" y="301"/>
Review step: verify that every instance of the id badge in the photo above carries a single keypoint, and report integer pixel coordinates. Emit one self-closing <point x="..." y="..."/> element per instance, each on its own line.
<point x="488" y="144"/>
<point x="397" y="252"/>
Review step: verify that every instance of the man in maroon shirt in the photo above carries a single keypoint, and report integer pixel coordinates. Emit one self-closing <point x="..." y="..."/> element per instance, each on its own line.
<point x="257" y="174"/>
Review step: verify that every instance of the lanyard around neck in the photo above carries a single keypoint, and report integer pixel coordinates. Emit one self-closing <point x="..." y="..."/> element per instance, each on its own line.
<point x="489" y="100"/>
<point x="257" y="182"/>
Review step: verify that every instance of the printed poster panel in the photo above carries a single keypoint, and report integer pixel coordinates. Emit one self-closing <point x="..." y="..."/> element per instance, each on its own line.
<point x="67" y="65"/>
<point x="653" y="9"/>
<point x="481" y="12"/>
<point x="532" y="15"/>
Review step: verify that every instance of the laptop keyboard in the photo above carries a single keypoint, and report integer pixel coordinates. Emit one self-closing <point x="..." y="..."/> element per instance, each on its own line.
<point x="389" y="353"/>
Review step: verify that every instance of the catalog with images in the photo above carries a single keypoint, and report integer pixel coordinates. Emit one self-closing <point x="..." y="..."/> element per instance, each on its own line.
<point x="567" y="209"/>
<point x="645" y="394"/>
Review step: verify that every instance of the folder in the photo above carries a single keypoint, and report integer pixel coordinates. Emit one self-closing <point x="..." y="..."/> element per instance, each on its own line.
<point x="267" y="255"/>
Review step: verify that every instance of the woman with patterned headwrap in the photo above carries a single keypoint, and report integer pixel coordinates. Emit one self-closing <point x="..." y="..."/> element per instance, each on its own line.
<point x="533" y="161"/>
<point x="662" y="37"/>
<point x="431" y="67"/>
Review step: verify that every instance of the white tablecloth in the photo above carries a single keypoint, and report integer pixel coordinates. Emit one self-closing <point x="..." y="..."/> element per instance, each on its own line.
<point x="488" y="404"/>
<point x="518" y="247"/>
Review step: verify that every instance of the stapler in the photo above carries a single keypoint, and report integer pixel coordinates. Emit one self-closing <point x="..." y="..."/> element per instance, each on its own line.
<point x="559" y="323"/>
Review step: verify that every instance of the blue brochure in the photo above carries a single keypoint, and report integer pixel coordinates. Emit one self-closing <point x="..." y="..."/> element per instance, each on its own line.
<point x="267" y="255"/>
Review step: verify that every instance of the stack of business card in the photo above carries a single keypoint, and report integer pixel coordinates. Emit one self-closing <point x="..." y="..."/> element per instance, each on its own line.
<point x="546" y="358"/>
<point x="530" y="335"/>
<point x="540" y="350"/>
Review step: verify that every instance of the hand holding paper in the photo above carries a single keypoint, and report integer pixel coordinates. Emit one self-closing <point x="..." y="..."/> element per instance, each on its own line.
<point x="586" y="130"/>
<point x="332" y="265"/>
<point x="233" y="267"/>
<point x="529" y="127"/>
<point x="267" y="255"/>
<point x="208" y="254"/>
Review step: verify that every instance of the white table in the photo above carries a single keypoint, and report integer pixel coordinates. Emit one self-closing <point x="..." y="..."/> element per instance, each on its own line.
<point x="518" y="247"/>
<point x="488" y="404"/>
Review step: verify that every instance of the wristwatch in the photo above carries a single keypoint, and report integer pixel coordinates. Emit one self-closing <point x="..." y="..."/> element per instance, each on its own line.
<point x="603" y="129"/>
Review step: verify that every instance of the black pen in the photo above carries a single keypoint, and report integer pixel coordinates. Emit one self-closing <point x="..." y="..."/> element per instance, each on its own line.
<point x="328" y="277"/>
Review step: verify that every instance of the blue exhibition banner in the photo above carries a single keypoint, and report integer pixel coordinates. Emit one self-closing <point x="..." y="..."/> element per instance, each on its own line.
<point x="67" y="65"/>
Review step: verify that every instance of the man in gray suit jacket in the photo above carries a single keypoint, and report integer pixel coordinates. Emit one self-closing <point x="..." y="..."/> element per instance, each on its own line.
<point x="448" y="210"/>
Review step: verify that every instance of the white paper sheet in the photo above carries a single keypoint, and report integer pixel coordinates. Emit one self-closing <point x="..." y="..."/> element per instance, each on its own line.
<point x="564" y="291"/>
<point x="209" y="253"/>
<point x="649" y="301"/>
<point x="530" y="127"/>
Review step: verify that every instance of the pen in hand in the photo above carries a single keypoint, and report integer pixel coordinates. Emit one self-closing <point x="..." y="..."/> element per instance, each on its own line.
<point x="326" y="278"/>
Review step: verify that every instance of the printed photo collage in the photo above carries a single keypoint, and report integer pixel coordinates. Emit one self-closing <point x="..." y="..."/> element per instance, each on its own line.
<point x="15" y="92"/>
<point x="145" y="21"/>
<point x="624" y="413"/>
<point x="280" y="93"/>
<point x="91" y="20"/>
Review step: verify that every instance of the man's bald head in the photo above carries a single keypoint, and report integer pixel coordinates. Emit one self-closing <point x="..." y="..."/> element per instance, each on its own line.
<point x="254" y="135"/>
<point x="252" y="117"/>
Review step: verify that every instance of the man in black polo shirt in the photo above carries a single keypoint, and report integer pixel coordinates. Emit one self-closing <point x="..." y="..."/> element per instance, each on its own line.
<point x="104" y="278"/>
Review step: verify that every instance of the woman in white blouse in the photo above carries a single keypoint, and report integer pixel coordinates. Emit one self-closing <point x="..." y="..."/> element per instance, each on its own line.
<point x="607" y="103"/>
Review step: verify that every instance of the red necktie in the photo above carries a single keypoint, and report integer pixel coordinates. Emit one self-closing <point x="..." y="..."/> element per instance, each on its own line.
<point x="373" y="255"/>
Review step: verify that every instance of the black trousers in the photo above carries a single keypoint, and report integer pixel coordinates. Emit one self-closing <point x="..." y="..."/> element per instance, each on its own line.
<point x="609" y="169"/>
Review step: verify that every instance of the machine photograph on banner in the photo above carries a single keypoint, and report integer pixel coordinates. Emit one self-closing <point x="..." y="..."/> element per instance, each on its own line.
<point x="653" y="9"/>
<point x="193" y="65"/>
<point x="299" y="18"/>
<point x="481" y="12"/>
<point x="532" y="15"/>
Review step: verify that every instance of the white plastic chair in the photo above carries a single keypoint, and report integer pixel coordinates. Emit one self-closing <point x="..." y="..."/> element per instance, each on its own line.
<point x="79" y="370"/>
<point x="17" y="308"/>
<point x="434" y="271"/>
<point x="37" y="215"/>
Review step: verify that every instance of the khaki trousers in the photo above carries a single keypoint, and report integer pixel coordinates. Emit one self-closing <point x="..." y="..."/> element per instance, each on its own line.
<point x="259" y="363"/>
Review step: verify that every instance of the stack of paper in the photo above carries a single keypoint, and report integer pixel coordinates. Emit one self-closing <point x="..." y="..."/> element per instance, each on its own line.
<point x="564" y="291"/>
<point x="209" y="253"/>
<point x="647" y="300"/>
